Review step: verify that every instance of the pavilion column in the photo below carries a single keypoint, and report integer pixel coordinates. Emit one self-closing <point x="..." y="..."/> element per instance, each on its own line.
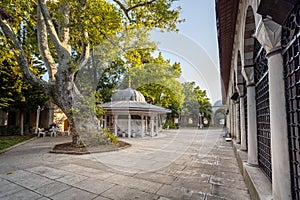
<point x="156" y="124"/>
<point x="129" y="126"/>
<point x="105" y="121"/>
<point x="115" y="124"/>
<point x="143" y="126"/>
<point x="269" y="35"/>
<point x="146" y="125"/>
<point x="152" y="125"/>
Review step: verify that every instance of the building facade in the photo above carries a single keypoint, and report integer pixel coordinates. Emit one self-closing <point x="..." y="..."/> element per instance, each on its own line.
<point x="259" y="46"/>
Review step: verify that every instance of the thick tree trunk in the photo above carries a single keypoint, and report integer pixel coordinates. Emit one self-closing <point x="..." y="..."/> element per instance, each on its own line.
<point x="80" y="114"/>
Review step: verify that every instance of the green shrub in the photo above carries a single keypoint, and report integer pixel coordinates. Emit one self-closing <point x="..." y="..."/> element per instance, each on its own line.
<point x="170" y="125"/>
<point x="105" y="137"/>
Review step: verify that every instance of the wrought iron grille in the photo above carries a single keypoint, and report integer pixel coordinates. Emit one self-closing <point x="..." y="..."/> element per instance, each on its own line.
<point x="291" y="50"/>
<point x="262" y="110"/>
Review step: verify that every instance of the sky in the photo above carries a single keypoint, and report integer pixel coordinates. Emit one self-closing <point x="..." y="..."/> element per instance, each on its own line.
<point x="195" y="45"/>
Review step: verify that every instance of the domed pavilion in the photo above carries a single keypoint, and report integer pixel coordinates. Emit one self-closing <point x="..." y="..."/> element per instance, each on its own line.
<point x="128" y="114"/>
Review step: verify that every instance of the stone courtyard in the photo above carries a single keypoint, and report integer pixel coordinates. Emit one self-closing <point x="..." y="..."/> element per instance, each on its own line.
<point x="177" y="164"/>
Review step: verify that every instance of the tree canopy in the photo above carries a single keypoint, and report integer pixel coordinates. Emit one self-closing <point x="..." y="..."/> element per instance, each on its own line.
<point x="195" y="100"/>
<point x="62" y="33"/>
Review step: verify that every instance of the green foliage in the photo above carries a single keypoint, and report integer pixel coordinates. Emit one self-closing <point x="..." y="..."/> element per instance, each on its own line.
<point x="15" y="91"/>
<point x="9" y="130"/>
<point x="195" y="100"/>
<point x="110" y="80"/>
<point x="105" y="137"/>
<point x="8" y="141"/>
<point x="170" y="125"/>
<point x="156" y="79"/>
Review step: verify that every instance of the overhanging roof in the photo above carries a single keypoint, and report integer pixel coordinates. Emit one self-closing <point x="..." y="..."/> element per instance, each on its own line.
<point x="277" y="10"/>
<point x="226" y="11"/>
<point x="133" y="106"/>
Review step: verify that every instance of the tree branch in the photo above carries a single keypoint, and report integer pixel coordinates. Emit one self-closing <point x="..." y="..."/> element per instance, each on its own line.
<point x="127" y="10"/>
<point x="42" y="37"/>
<point x="63" y="53"/>
<point x="85" y="52"/>
<point x="21" y="57"/>
<point x="140" y="5"/>
<point x="64" y="31"/>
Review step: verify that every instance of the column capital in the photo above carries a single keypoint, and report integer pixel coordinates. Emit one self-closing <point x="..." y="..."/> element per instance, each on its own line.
<point x="268" y="33"/>
<point x="248" y="73"/>
<point x="240" y="89"/>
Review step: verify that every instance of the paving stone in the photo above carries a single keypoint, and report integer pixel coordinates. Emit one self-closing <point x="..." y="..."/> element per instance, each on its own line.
<point x="156" y="177"/>
<point x="194" y="176"/>
<point x="205" y="167"/>
<point x="229" y="175"/>
<point x="213" y="197"/>
<point x="7" y="188"/>
<point x="228" y="182"/>
<point x="47" y="171"/>
<point x="94" y="185"/>
<point x="101" y="198"/>
<point x="87" y="171"/>
<point x="72" y="179"/>
<point x="22" y="195"/>
<point x="52" y="189"/>
<point x="74" y="194"/>
<point x="230" y="193"/>
<point x="27" y="179"/>
<point x="142" y="185"/>
<point x="172" y="169"/>
<point x="193" y="185"/>
<point x="173" y="192"/>
<point x="124" y="193"/>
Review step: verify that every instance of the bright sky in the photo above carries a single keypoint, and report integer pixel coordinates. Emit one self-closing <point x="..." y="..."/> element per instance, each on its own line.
<point x="195" y="46"/>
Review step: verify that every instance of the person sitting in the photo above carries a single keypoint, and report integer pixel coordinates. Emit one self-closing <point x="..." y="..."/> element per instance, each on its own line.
<point x="53" y="129"/>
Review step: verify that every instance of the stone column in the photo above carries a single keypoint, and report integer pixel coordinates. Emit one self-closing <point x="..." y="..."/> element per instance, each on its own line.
<point x="156" y="124"/>
<point x="152" y="126"/>
<point x="143" y="126"/>
<point x="105" y="121"/>
<point x="232" y="120"/>
<point x="129" y="126"/>
<point x="269" y="35"/>
<point x="242" y="127"/>
<point x="237" y="122"/>
<point x="115" y="124"/>
<point x="243" y="123"/>
<point x="252" y="126"/>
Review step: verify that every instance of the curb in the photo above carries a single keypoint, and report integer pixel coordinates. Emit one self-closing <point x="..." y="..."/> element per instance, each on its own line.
<point x="16" y="145"/>
<point x="89" y="152"/>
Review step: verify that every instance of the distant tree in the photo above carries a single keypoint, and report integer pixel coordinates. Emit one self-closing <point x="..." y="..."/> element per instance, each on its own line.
<point x="156" y="78"/>
<point x="195" y="101"/>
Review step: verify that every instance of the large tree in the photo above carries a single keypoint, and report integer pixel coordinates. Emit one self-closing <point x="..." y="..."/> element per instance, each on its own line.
<point x="65" y="31"/>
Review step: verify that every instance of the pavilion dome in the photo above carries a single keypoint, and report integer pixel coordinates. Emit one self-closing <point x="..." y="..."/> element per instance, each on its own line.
<point x="218" y="103"/>
<point x="128" y="94"/>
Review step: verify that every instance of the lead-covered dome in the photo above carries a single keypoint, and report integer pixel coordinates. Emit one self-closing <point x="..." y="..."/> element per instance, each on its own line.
<point x="128" y="94"/>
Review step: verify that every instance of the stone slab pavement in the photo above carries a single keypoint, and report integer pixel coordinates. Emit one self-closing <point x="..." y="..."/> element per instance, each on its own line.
<point x="177" y="164"/>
